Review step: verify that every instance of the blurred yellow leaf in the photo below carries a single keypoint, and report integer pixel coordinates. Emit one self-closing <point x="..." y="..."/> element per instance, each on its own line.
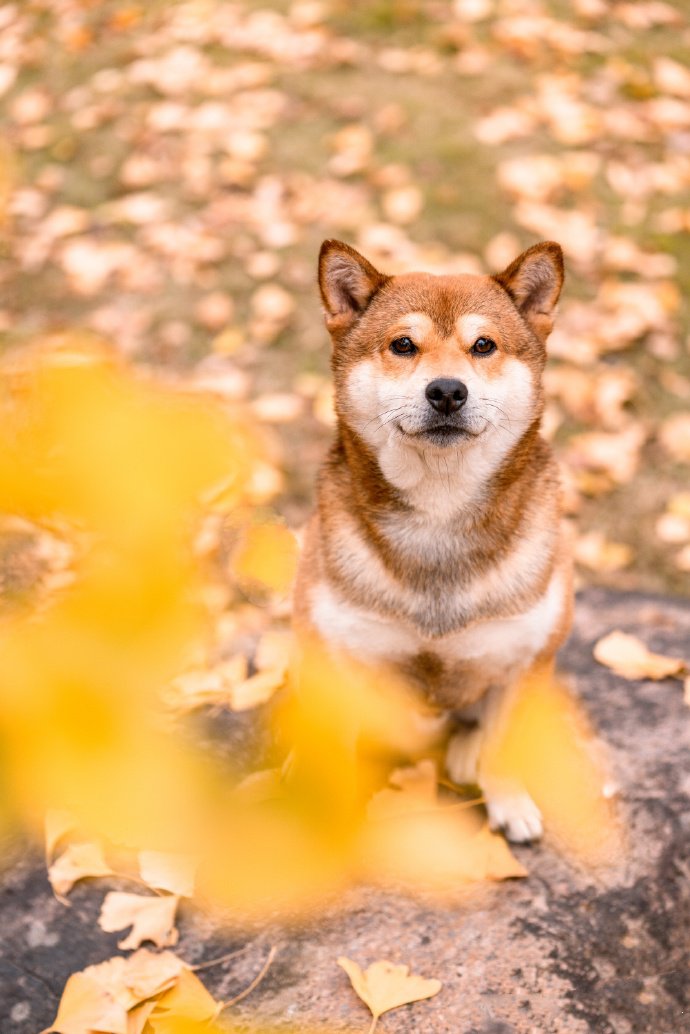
<point x="384" y="985"/>
<point x="57" y="825"/>
<point x="545" y="746"/>
<point x="438" y="849"/>
<point x="674" y="435"/>
<point x="256" y="690"/>
<point x="412" y="789"/>
<point x="77" y="862"/>
<point x="274" y="650"/>
<point x="630" y="658"/>
<point x="595" y="551"/>
<point x="172" y="872"/>
<point x="151" y="919"/>
<point x="267" y="555"/>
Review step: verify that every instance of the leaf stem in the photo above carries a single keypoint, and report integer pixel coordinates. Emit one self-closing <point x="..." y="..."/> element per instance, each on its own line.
<point x="255" y="982"/>
<point x="374" y="1021"/>
<point x="221" y="959"/>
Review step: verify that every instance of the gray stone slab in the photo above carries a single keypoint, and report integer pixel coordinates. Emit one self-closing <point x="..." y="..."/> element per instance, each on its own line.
<point x="562" y="952"/>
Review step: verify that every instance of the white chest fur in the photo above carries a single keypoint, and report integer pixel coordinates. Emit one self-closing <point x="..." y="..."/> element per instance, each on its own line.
<point x="499" y="647"/>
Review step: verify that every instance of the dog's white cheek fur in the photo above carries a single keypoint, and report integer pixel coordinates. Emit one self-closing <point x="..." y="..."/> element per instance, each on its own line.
<point x="499" y="410"/>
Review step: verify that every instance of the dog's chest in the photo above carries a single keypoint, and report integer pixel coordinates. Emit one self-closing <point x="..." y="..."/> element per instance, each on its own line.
<point x="460" y="665"/>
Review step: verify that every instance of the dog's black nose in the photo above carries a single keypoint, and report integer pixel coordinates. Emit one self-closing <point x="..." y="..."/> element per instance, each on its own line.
<point x="446" y="395"/>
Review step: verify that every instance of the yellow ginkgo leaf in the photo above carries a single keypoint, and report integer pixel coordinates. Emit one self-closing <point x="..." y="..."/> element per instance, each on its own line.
<point x="77" y="862"/>
<point x="57" y="825"/>
<point x="86" y="1005"/>
<point x="274" y="650"/>
<point x="630" y="658"/>
<point x="138" y="1017"/>
<point x="267" y="556"/>
<point x="384" y="986"/>
<point x="412" y="789"/>
<point x="172" y="872"/>
<point x="145" y="973"/>
<point x="256" y="690"/>
<point x="151" y="918"/>
<point x="188" y="1000"/>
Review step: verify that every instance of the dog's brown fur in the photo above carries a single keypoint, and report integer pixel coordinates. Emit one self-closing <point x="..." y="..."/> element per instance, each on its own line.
<point x="435" y="549"/>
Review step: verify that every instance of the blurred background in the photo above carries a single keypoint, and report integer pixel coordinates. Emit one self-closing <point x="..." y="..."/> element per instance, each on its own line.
<point x="169" y="169"/>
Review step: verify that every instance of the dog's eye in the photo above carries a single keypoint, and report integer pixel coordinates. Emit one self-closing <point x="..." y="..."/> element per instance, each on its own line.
<point x="483" y="346"/>
<point x="403" y="346"/>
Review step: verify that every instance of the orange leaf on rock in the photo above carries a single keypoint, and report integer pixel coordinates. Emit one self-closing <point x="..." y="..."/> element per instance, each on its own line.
<point x="57" y="825"/>
<point x="138" y="1017"/>
<point x="412" y="789"/>
<point x="88" y="1006"/>
<point x="630" y="658"/>
<point x="77" y="862"/>
<point x="256" y="690"/>
<point x="172" y="872"/>
<point x="151" y="918"/>
<point x="105" y="998"/>
<point x="188" y="1000"/>
<point x="384" y="985"/>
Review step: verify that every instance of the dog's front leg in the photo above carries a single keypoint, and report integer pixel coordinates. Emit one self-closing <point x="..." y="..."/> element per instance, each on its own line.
<point x="509" y="805"/>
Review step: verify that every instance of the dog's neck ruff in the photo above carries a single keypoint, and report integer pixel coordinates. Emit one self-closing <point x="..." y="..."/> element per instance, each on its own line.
<point x="439" y="484"/>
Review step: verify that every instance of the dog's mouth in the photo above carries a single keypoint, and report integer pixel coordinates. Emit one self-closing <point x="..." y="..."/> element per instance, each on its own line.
<point x="441" y="434"/>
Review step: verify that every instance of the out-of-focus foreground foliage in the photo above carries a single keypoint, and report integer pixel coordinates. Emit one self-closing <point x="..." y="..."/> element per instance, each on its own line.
<point x="169" y="170"/>
<point x="123" y="481"/>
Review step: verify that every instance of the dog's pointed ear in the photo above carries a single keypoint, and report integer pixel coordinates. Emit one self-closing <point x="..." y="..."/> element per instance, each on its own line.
<point x="534" y="281"/>
<point x="347" y="282"/>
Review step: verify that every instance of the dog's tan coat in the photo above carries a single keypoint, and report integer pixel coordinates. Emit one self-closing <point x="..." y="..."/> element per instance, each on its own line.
<point x="443" y="561"/>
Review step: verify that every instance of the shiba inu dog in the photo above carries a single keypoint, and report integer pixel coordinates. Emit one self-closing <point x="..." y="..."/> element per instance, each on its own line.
<point x="436" y="547"/>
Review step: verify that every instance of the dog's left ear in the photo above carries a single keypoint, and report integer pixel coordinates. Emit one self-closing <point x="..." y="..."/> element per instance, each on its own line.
<point x="534" y="281"/>
<point x="347" y="282"/>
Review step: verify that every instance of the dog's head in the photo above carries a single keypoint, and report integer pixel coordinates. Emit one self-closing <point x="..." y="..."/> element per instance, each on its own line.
<point x="439" y="362"/>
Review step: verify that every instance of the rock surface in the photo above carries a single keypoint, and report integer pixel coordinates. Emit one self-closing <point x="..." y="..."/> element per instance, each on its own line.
<point x="563" y="952"/>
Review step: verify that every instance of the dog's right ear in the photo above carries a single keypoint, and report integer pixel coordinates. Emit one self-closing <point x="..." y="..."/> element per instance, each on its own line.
<point x="347" y="282"/>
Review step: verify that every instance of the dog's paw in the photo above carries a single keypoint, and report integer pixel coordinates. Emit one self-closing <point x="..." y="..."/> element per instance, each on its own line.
<point x="514" y="812"/>
<point x="462" y="756"/>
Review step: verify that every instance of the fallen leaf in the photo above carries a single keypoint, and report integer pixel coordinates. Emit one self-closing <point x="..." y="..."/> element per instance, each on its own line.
<point x="172" y="872"/>
<point x="143" y="975"/>
<point x="674" y="435"/>
<point x="686" y="690"/>
<point x="274" y="650"/>
<point x="138" y="1017"/>
<point x="412" y="789"/>
<point x="595" y="551"/>
<point x="77" y="862"/>
<point x="151" y="919"/>
<point x="87" y="1006"/>
<point x="105" y="998"/>
<point x="268" y="556"/>
<point x="57" y="825"/>
<point x="256" y="690"/>
<point x="629" y="657"/>
<point x="203" y="687"/>
<point x="384" y="985"/>
<point x="188" y="999"/>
